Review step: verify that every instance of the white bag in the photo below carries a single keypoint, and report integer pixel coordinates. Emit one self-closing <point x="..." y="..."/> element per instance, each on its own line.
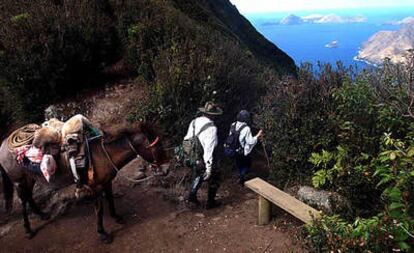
<point x="48" y="166"/>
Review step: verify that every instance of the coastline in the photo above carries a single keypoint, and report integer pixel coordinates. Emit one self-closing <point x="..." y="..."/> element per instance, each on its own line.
<point x="369" y="63"/>
<point x="356" y="58"/>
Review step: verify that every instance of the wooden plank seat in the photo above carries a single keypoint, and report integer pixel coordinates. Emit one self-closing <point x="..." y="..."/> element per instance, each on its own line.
<point x="270" y="194"/>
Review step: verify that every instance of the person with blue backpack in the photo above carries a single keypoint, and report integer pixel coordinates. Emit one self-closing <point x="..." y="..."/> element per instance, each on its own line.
<point x="240" y="143"/>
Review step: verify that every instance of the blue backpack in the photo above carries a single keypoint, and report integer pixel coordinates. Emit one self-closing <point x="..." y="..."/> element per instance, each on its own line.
<point x="232" y="145"/>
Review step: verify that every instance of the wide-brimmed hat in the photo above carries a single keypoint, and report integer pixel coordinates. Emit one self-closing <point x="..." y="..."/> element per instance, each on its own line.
<point x="211" y="109"/>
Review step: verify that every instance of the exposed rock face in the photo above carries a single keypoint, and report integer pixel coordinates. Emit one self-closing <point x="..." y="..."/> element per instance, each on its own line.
<point x="388" y="44"/>
<point x="328" y="202"/>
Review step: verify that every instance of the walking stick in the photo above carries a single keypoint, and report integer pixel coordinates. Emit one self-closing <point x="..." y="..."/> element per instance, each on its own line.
<point x="265" y="152"/>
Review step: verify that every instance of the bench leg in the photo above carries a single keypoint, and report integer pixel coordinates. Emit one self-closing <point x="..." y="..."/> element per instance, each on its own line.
<point x="264" y="211"/>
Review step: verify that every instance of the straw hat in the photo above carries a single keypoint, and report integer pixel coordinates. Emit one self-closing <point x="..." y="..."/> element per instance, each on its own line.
<point x="211" y="109"/>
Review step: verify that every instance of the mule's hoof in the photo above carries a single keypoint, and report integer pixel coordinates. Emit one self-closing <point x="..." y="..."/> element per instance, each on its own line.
<point x="45" y="216"/>
<point x="30" y="234"/>
<point x="105" y="238"/>
<point x="84" y="192"/>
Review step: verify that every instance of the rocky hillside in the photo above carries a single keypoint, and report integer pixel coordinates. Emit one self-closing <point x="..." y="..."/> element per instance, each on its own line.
<point x="388" y="44"/>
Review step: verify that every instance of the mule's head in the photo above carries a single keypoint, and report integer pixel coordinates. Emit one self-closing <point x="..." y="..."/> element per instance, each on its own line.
<point x="145" y="141"/>
<point x="150" y="147"/>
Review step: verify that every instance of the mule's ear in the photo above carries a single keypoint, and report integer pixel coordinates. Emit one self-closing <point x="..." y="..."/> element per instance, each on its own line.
<point x="143" y="128"/>
<point x="147" y="130"/>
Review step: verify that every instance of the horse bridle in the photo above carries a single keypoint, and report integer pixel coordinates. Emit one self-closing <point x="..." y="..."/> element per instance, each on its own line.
<point x="149" y="146"/>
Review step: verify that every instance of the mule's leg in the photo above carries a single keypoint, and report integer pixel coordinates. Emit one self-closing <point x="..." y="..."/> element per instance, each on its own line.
<point x="33" y="205"/>
<point x="8" y="190"/>
<point x="110" y="198"/>
<point x="103" y="235"/>
<point x="23" y="193"/>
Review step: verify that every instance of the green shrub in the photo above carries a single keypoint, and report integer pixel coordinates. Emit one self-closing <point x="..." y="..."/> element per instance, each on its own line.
<point x="187" y="65"/>
<point x="50" y="49"/>
<point x="295" y="114"/>
<point x="392" y="229"/>
<point x="327" y="129"/>
<point x="361" y="117"/>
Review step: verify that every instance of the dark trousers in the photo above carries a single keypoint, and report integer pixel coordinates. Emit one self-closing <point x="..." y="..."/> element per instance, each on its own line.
<point x="31" y="166"/>
<point x="243" y="164"/>
<point x="197" y="181"/>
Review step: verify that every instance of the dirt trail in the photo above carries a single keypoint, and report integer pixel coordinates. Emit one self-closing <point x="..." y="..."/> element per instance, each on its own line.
<point x="156" y="224"/>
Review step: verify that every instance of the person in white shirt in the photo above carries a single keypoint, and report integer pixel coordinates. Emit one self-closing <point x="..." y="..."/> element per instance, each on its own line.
<point x="204" y="129"/>
<point x="247" y="143"/>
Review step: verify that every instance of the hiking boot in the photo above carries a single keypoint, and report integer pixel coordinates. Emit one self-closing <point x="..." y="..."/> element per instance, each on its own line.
<point x="211" y="198"/>
<point x="193" y="199"/>
<point x="213" y="204"/>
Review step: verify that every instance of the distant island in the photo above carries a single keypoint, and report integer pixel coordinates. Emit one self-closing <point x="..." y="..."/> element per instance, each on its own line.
<point x="332" y="44"/>
<point x="321" y="19"/>
<point x="291" y="20"/>
<point x="388" y="44"/>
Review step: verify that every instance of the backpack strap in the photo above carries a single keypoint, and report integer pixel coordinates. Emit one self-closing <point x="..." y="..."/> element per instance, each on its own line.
<point x="205" y="127"/>
<point x="240" y="129"/>
<point x="194" y="127"/>
<point x="233" y="128"/>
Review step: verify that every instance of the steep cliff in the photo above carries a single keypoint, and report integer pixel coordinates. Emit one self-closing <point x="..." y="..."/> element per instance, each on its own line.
<point x="224" y="16"/>
<point x="389" y="44"/>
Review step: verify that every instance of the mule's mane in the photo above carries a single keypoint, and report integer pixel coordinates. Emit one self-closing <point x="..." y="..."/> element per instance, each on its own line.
<point x="114" y="132"/>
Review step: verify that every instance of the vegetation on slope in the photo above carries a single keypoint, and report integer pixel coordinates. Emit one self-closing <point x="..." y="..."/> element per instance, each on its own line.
<point x="351" y="133"/>
<point x="338" y="130"/>
<point x="52" y="49"/>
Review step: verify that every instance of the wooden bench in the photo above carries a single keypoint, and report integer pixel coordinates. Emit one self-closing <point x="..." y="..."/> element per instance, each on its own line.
<point x="270" y="194"/>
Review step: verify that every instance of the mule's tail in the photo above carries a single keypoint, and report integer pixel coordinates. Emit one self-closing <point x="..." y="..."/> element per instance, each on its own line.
<point x="8" y="189"/>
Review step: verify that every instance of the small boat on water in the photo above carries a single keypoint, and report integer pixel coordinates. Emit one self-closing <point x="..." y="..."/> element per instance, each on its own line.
<point x="332" y="44"/>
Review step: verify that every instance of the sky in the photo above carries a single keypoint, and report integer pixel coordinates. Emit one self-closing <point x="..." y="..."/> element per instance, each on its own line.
<point x="257" y="6"/>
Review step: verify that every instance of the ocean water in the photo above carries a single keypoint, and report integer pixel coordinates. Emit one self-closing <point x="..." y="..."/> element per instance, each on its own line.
<point x="306" y="42"/>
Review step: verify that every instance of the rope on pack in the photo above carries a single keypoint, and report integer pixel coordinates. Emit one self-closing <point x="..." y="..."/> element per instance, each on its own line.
<point x="22" y="136"/>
